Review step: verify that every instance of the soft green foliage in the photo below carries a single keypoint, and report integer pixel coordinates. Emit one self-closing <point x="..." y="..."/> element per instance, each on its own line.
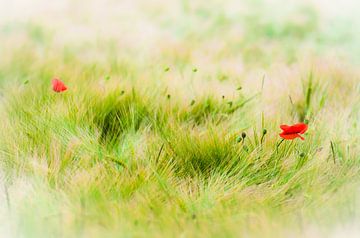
<point x="179" y="139"/>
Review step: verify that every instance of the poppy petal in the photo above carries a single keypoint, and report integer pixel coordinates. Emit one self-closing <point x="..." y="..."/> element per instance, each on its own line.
<point x="296" y="128"/>
<point x="58" y="85"/>
<point x="63" y="87"/>
<point x="284" y="127"/>
<point x="300" y="127"/>
<point x="289" y="136"/>
<point x="293" y="131"/>
<point x="304" y="129"/>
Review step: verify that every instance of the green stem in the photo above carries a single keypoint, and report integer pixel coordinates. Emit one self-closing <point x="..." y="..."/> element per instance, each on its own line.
<point x="277" y="147"/>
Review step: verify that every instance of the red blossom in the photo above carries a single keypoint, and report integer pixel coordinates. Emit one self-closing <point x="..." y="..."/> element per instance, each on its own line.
<point x="58" y="86"/>
<point x="294" y="131"/>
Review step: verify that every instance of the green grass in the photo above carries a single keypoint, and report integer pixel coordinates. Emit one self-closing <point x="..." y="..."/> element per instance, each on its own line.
<point x="144" y="145"/>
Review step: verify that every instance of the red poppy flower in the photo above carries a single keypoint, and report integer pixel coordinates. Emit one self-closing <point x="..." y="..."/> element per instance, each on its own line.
<point x="58" y="86"/>
<point x="294" y="131"/>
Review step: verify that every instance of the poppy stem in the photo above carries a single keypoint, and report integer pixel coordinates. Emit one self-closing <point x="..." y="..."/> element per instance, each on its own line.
<point x="263" y="136"/>
<point x="277" y="147"/>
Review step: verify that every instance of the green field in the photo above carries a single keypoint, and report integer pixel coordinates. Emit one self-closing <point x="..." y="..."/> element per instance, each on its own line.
<point x="170" y="124"/>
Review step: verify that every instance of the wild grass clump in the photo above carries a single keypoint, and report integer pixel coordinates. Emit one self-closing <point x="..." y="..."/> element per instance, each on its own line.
<point x="119" y="113"/>
<point x="198" y="154"/>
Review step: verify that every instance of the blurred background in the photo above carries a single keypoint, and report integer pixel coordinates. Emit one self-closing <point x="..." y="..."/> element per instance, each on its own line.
<point x="232" y="33"/>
